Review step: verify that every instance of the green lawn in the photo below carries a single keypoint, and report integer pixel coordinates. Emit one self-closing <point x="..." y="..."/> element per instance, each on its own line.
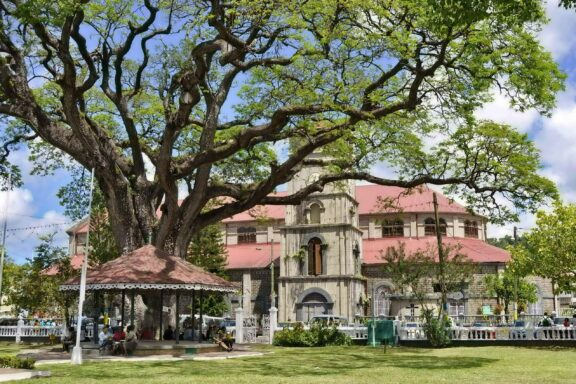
<point x="342" y="365"/>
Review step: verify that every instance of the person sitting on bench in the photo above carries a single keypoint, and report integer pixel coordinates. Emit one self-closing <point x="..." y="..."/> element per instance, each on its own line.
<point x="69" y="340"/>
<point x="224" y="340"/>
<point x="131" y="340"/>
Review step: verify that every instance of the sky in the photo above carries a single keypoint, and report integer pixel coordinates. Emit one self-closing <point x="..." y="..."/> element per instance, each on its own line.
<point x="33" y="210"/>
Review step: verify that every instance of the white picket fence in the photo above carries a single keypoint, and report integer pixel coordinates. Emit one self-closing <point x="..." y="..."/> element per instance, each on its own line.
<point x="29" y="331"/>
<point x="416" y="332"/>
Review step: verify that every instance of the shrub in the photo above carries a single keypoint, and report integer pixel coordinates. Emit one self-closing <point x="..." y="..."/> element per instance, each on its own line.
<point x="319" y="335"/>
<point x="437" y="330"/>
<point x="8" y="361"/>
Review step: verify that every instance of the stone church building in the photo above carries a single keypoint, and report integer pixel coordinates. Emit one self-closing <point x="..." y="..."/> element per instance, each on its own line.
<point x="324" y="256"/>
<point x="327" y="251"/>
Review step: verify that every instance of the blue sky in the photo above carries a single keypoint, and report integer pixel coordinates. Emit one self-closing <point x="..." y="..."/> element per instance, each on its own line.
<point x="33" y="210"/>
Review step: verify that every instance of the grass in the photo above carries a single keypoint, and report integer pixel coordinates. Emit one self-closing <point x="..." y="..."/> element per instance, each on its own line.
<point x="341" y="365"/>
<point x="7" y="348"/>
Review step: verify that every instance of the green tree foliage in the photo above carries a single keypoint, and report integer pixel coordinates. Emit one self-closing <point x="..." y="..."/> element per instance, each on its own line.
<point x="103" y="246"/>
<point x="207" y="250"/>
<point x="509" y="287"/>
<point x="161" y="96"/>
<point x="36" y="291"/>
<point x="417" y="274"/>
<point x="549" y="249"/>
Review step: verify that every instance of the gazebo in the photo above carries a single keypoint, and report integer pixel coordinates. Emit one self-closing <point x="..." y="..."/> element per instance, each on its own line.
<point x="151" y="269"/>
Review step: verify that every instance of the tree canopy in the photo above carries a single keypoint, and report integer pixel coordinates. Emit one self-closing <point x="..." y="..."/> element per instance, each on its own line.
<point x="549" y="250"/>
<point x="179" y="104"/>
<point x="33" y="290"/>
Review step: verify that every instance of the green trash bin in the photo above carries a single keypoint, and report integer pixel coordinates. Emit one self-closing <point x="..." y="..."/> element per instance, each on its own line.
<point x="381" y="332"/>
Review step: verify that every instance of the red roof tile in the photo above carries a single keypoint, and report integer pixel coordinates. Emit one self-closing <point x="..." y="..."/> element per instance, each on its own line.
<point x="151" y="266"/>
<point x="247" y="256"/>
<point x="477" y="250"/>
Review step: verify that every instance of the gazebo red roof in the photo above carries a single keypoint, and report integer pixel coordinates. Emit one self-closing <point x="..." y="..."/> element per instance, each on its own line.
<point x="150" y="268"/>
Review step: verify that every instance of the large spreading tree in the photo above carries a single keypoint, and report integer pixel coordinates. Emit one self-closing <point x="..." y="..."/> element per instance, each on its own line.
<point x="181" y="104"/>
<point x="549" y="249"/>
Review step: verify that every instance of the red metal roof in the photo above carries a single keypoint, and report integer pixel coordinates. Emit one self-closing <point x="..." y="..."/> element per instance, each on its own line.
<point x="247" y="256"/>
<point x="477" y="250"/>
<point x="149" y="267"/>
<point x="262" y="211"/>
<point x="373" y="199"/>
<point x="75" y="263"/>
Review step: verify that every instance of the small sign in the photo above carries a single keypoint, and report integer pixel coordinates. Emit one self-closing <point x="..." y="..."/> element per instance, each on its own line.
<point x="486" y="309"/>
<point x="166" y="309"/>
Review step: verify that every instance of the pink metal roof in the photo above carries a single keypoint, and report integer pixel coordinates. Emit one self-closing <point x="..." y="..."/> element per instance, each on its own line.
<point x="373" y="199"/>
<point x="477" y="250"/>
<point x="263" y="211"/>
<point x="247" y="256"/>
<point x="75" y="263"/>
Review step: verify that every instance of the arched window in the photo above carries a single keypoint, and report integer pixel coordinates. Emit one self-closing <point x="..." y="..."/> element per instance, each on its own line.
<point x="470" y="229"/>
<point x="382" y="301"/>
<point x="315" y="262"/>
<point x="315" y="212"/>
<point x="246" y="235"/>
<point x="392" y="228"/>
<point x="430" y="227"/>
<point x="313" y="304"/>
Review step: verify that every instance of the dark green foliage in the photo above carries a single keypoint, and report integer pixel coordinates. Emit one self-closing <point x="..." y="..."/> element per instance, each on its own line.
<point x="319" y="335"/>
<point x="8" y="361"/>
<point x="207" y="250"/>
<point x="33" y="289"/>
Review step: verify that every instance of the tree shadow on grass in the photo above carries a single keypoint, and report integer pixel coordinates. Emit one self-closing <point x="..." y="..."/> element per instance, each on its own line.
<point x="292" y="363"/>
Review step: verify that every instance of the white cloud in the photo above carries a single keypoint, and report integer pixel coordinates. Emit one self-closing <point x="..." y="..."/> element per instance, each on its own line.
<point x="558" y="36"/>
<point x="499" y="111"/>
<point x="25" y="223"/>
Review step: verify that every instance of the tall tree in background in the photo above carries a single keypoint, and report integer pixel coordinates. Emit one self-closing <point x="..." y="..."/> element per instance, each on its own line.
<point x="421" y="273"/>
<point x="38" y="292"/>
<point x="207" y="250"/>
<point x="549" y="250"/>
<point x="160" y="95"/>
<point x="509" y="287"/>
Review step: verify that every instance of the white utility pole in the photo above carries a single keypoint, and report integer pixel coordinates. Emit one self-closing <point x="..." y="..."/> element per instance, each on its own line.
<point x="77" y="351"/>
<point x="3" y="254"/>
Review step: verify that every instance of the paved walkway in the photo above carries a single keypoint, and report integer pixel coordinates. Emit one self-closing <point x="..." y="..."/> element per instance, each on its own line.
<point x="9" y="374"/>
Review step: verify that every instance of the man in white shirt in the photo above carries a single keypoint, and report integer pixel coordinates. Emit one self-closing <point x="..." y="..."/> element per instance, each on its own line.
<point x="105" y="339"/>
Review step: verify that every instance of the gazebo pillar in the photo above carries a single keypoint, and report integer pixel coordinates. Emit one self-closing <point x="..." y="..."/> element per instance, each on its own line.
<point x="96" y="315"/>
<point x="123" y="300"/>
<point x="161" y="334"/>
<point x="177" y="317"/>
<point x="201" y="314"/>
<point x="131" y="308"/>
<point x="193" y="314"/>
